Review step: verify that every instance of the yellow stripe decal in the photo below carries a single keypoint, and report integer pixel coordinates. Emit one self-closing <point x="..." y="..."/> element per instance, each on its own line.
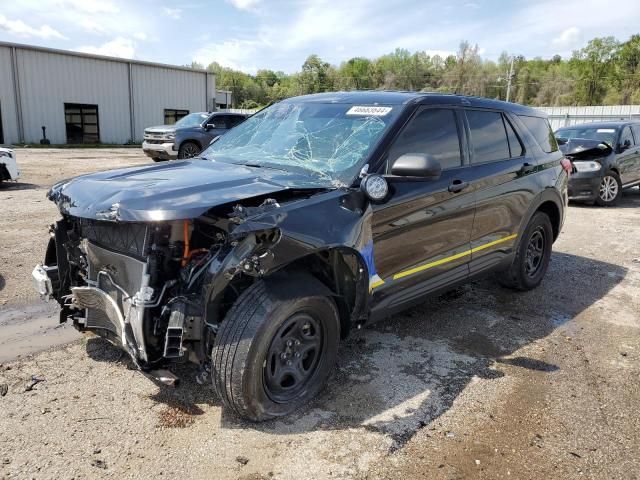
<point x="495" y="242"/>
<point x="376" y="284"/>
<point x="426" y="266"/>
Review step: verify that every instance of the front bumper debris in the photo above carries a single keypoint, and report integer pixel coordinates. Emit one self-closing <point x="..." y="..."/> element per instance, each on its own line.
<point x="44" y="278"/>
<point x="584" y="186"/>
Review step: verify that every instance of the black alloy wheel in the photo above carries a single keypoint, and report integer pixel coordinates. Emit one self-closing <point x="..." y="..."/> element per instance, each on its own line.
<point x="532" y="255"/>
<point x="188" y="150"/>
<point x="535" y="251"/>
<point x="275" y="348"/>
<point x="293" y="357"/>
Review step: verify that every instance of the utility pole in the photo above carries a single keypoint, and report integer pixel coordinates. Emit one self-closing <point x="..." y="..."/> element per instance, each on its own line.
<point x="509" y="78"/>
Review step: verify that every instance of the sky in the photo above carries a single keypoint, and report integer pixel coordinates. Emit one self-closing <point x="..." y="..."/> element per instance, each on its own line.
<point x="279" y="34"/>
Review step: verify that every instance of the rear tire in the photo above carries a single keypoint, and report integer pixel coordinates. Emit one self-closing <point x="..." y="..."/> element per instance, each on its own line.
<point x="188" y="150"/>
<point x="273" y="354"/>
<point x="610" y="190"/>
<point x="532" y="255"/>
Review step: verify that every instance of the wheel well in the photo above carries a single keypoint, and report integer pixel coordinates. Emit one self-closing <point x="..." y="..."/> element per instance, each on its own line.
<point x="191" y="140"/>
<point x="342" y="271"/>
<point x="4" y="173"/>
<point x="615" y="169"/>
<point x="553" y="212"/>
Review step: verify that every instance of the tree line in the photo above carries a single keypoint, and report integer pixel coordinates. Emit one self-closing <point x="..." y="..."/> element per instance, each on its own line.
<point x="604" y="72"/>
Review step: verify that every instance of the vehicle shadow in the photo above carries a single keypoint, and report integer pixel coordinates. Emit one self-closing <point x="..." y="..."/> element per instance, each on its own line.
<point x="630" y="199"/>
<point x="402" y="373"/>
<point x="2" y="282"/>
<point x="12" y="186"/>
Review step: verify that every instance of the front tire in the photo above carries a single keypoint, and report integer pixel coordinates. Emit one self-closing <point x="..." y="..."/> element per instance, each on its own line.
<point x="188" y="150"/>
<point x="273" y="354"/>
<point x="610" y="189"/>
<point x="532" y="256"/>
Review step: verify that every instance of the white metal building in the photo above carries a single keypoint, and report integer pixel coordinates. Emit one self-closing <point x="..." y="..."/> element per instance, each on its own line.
<point x="83" y="98"/>
<point x="566" y="116"/>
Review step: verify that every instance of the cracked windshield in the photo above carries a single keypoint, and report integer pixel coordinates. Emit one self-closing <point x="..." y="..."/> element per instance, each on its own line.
<point x="328" y="141"/>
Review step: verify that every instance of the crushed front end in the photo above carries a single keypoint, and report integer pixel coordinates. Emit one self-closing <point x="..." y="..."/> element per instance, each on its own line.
<point x="136" y="284"/>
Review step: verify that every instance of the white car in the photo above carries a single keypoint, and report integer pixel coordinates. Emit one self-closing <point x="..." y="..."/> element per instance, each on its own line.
<point x="8" y="166"/>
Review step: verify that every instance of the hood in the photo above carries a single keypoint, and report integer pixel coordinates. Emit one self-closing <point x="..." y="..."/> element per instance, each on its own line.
<point x="169" y="191"/>
<point x="583" y="148"/>
<point x="160" y="129"/>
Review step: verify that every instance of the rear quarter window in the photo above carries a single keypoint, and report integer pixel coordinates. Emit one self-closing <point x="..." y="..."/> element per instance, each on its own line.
<point x="541" y="131"/>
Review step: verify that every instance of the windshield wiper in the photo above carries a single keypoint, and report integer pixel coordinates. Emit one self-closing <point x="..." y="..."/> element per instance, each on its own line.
<point x="257" y="165"/>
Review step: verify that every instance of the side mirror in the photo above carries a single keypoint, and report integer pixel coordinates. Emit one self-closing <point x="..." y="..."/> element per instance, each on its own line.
<point x="416" y="165"/>
<point x="625" y="146"/>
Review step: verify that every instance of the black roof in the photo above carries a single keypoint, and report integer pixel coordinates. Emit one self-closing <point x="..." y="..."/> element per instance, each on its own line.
<point x="384" y="97"/>
<point x="616" y="124"/>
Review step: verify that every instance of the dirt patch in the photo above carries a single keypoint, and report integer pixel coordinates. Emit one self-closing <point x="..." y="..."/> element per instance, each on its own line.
<point x="178" y="415"/>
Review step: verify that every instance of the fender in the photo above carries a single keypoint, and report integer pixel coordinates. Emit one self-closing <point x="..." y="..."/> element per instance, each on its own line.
<point x="343" y="223"/>
<point x="549" y="194"/>
<point x="192" y="140"/>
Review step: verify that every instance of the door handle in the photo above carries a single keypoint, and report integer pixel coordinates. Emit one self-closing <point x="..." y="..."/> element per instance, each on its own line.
<point x="527" y="168"/>
<point x="457" y="186"/>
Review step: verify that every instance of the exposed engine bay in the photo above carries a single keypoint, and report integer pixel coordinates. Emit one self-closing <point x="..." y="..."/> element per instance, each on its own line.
<point x="140" y="285"/>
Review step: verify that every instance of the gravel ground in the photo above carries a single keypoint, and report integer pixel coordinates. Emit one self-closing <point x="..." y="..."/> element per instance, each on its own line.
<point x="479" y="383"/>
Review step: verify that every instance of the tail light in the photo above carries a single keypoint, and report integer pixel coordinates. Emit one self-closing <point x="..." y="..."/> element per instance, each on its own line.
<point x="566" y="164"/>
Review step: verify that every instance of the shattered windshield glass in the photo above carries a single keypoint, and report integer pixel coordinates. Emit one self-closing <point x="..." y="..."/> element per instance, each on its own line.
<point x="329" y="141"/>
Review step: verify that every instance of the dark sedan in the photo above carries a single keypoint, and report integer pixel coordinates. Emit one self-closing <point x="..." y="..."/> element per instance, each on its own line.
<point x="605" y="158"/>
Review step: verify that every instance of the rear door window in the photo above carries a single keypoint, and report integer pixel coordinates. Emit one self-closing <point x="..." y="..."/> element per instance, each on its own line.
<point x="541" y="131"/>
<point x="488" y="136"/>
<point x="433" y="131"/>
<point x="515" y="145"/>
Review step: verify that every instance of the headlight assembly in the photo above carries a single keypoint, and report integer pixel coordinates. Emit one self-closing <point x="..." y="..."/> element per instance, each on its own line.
<point x="587" y="166"/>
<point x="170" y="136"/>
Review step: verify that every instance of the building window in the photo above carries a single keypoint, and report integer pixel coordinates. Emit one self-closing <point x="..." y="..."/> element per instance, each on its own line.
<point x="171" y="115"/>
<point x="82" y="123"/>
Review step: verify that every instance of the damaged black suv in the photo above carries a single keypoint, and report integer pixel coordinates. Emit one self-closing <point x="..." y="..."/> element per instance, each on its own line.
<point x="314" y="216"/>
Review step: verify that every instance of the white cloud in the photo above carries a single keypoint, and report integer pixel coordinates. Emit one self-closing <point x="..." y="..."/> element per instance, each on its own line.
<point x="118" y="47"/>
<point x="471" y="5"/>
<point x="245" y="4"/>
<point x="140" y="36"/>
<point x="441" y="53"/>
<point x="89" y="6"/>
<point x="92" y="26"/>
<point x="236" y="54"/>
<point x="174" y="13"/>
<point x="567" y="38"/>
<point x="21" y="29"/>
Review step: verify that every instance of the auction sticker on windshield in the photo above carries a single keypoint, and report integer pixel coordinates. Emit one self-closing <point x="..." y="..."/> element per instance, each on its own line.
<point x="369" y="111"/>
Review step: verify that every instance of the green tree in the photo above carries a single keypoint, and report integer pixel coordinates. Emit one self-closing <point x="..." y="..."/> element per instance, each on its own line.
<point x="593" y="64"/>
